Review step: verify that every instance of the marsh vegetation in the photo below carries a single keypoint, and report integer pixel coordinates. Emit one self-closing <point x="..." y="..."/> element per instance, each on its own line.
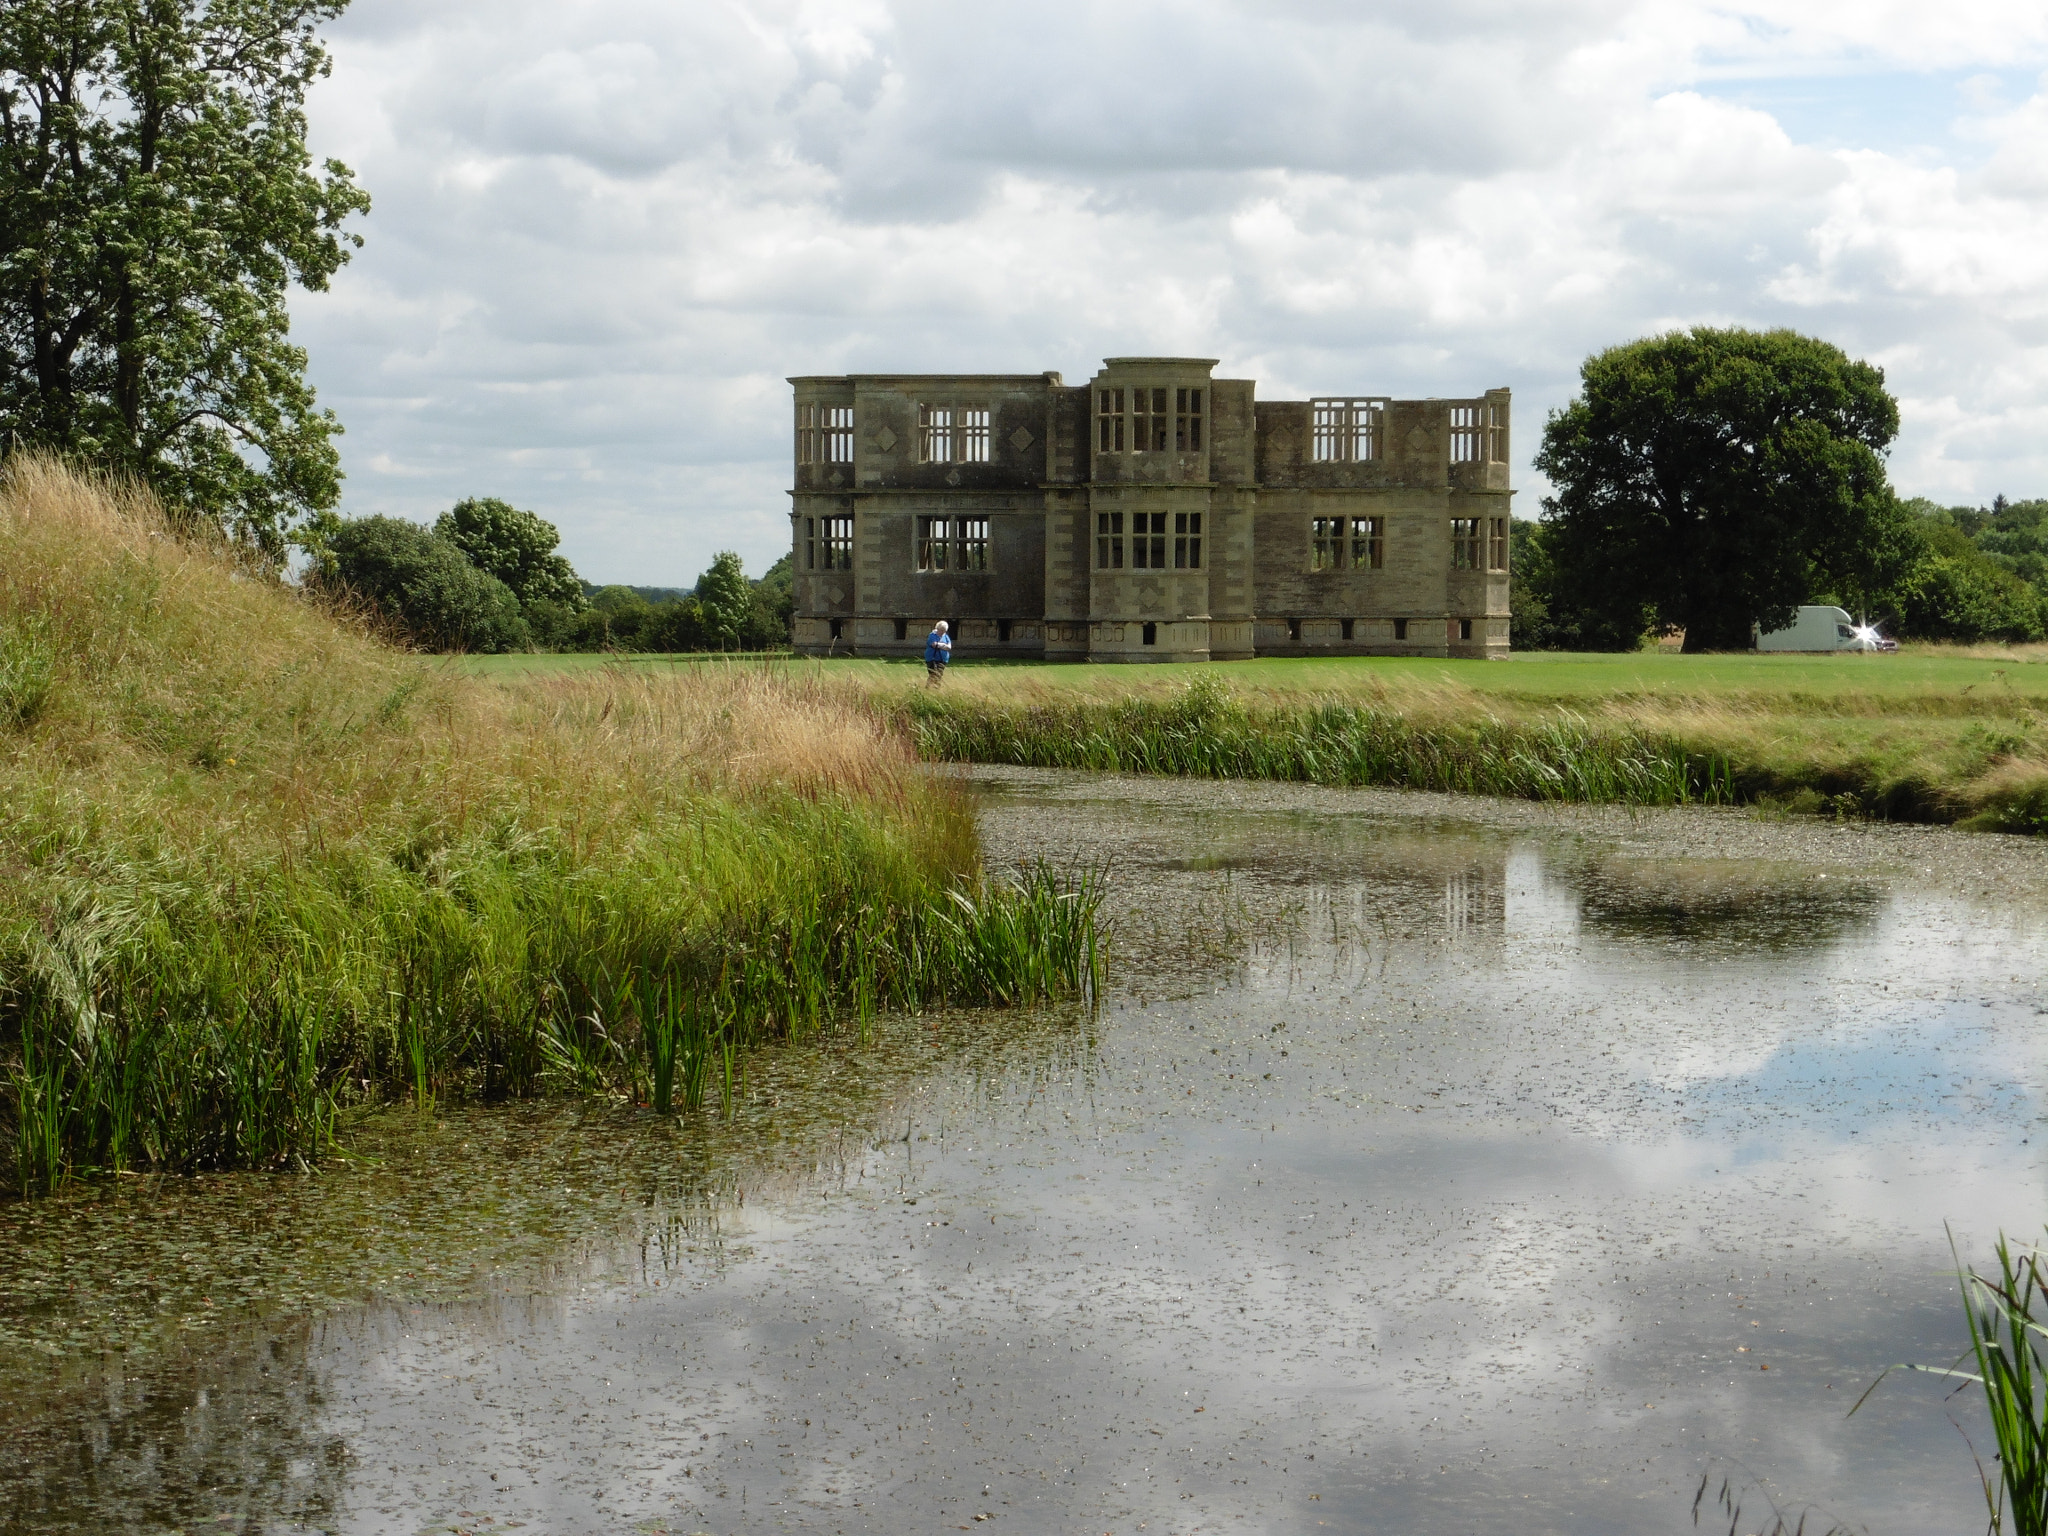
<point x="258" y="869"/>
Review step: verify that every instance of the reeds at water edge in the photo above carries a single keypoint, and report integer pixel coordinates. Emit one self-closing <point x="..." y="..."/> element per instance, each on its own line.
<point x="257" y="869"/>
<point x="1207" y="731"/>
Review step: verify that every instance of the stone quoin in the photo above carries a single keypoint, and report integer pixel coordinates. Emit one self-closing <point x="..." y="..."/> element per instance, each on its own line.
<point x="1154" y="514"/>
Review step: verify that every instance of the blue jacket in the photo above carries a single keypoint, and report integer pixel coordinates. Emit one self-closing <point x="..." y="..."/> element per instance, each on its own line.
<point x="938" y="649"/>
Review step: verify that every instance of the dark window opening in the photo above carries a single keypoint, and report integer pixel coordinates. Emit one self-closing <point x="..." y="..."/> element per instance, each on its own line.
<point x="1148" y="546"/>
<point x="1187" y="540"/>
<point x="1464" y="543"/>
<point x="1187" y="418"/>
<point x="1109" y="541"/>
<point x="836" y="623"/>
<point x="903" y="629"/>
<point x="1003" y="630"/>
<point x="1151" y="634"/>
<point x="1464" y="629"/>
<point x="1294" y="629"/>
<point x="1347" y="629"/>
<point x="1400" y="629"/>
<point x="838" y="543"/>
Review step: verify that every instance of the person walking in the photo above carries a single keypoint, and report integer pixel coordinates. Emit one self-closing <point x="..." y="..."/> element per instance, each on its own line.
<point x="938" y="650"/>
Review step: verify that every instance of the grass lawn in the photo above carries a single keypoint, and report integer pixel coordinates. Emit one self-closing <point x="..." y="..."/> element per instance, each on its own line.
<point x="1938" y="680"/>
<point x="1929" y="732"/>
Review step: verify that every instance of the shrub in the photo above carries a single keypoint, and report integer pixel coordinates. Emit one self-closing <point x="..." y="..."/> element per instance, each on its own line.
<point x="426" y="586"/>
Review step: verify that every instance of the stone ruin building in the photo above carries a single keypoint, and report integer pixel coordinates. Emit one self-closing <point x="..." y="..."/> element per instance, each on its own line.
<point x="1153" y="514"/>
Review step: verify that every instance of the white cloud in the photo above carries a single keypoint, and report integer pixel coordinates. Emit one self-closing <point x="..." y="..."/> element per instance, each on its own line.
<point x="605" y="231"/>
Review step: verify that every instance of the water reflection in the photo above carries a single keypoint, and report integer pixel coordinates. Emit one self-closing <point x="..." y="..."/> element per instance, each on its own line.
<point x="1436" y="1167"/>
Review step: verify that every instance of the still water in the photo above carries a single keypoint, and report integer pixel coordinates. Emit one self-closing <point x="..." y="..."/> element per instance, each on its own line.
<point x="1433" y="1165"/>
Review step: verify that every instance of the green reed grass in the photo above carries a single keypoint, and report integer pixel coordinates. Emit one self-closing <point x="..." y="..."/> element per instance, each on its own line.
<point x="257" y="869"/>
<point x="1206" y="731"/>
<point x="2007" y="1318"/>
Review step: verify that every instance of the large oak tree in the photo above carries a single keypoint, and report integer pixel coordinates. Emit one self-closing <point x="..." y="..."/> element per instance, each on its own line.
<point x="157" y="205"/>
<point x="1710" y="479"/>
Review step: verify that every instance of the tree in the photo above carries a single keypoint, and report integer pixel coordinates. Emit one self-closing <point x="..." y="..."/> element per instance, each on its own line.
<point x="1712" y="479"/>
<point x="1952" y="589"/>
<point x="516" y="547"/>
<point x="725" y="598"/>
<point x="1530" y="625"/>
<point x="157" y="204"/>
<point x="425" y="585"/>
<point x="773" y="606"/>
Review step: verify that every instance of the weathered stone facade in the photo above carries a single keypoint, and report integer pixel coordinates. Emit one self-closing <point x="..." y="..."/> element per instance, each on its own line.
<point x="1155" y="514"/>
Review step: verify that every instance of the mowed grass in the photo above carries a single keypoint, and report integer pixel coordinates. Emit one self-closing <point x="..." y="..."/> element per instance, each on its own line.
<point x="1930" y="733"/>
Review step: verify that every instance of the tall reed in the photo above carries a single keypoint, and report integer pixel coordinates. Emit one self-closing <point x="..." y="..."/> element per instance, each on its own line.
<point x="257" y="868"/>
<point x="2007" y="1319"/>
<point x="1207" y="731"/>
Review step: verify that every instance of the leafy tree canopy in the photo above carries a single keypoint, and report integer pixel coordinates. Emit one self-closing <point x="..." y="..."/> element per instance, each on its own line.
<point x="1711" y="479"/>
<point x="726" y="599"/>
<point x="157" y="204"/>
<point x="516" y="547"/>
<point x="425" y="585"/>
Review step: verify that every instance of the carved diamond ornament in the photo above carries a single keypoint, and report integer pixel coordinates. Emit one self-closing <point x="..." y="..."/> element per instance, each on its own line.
<point x="837" y="478"/>
<point x="953" y="478"/>
<point x="1020" y="439"/>
<point x="885" y="439"/>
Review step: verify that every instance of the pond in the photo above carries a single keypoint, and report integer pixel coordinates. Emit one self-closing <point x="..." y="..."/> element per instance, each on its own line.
<point x="1433" y="1165"/>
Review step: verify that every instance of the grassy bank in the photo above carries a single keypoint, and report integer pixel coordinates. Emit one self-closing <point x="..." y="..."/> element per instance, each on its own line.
<point x="256" y="868"/>
<point x="1934" y="733"/>
<point x="1914" y="754"/>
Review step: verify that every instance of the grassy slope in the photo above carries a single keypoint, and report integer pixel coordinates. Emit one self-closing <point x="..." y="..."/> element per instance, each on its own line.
<point x="1939" y="733"/>
<point x="255" y="866"/>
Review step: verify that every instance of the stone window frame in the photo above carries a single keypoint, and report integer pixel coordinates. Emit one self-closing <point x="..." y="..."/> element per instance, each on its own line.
<point x="1110" y="420"/>
<point x="1326" y="543"/>
<point x="1476" y="431"/>
<point x="974" y="437"/>
<point x="951" y="541"/>
<point x="1187" y="420"/>
<point x="934" y="433"/>
<point x="1465" y="542"/>
<point x="1187" y="541"/>
<point x="1496" y="544"/>
<point x="1109" y="541"/>
<point x="824" y="433"/>
<point x="1369" y="549"/>
<point x="835" y="541"/>
<point x="955" y="432"/>
<point x="1151" y="417"/>
<point x="1341" y="542"/>
<point x="1148" y="541"/>
<point x="1348" y="429"/>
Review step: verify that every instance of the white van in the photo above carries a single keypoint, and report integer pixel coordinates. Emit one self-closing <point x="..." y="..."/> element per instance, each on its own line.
<point x="1824" y="629"/>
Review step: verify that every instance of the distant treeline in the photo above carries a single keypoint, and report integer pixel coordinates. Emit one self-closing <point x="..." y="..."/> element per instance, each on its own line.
<point x="664" y="619"/>
<point x="485" y="578"/>
<point x="1958" y="573"/>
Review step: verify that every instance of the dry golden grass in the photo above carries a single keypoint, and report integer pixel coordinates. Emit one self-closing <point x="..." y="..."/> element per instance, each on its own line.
<point x="197" y="695"/>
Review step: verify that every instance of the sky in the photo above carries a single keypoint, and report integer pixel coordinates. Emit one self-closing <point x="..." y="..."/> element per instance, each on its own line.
<point x="606" y="231"/>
